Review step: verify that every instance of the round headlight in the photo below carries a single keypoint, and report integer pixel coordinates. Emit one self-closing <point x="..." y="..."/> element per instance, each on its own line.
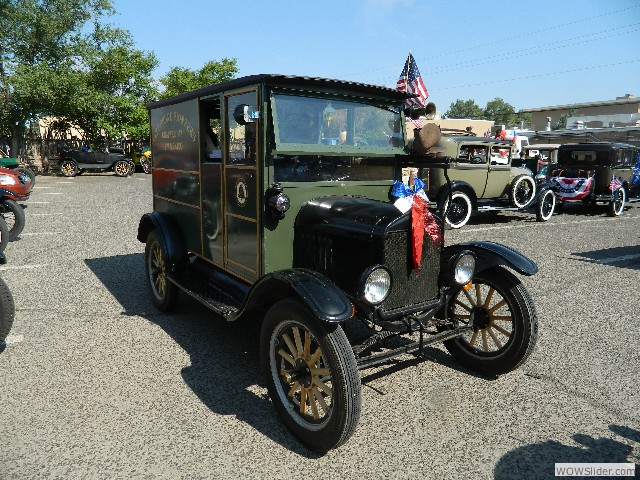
<point x="281" y="203"/>
<point x="376" y="285"/>
<point x="464" y="268"/>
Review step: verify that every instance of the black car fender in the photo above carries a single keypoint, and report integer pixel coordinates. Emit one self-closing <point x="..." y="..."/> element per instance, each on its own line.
<point x="443" y="193"/>
<point x="540" y="189"/>
<point x="170" y="235"/>
<point x="489" y="254"/>
<point x="326" y="301"/>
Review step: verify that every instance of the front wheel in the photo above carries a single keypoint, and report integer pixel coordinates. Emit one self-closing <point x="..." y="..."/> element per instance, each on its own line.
<point x="311" y="374"/>
<point x="616" y="206"/>
<point x="522" y="191"/>
<point x="7" y="313"/>
<point x="503" y="320"/>
<point x="4" y="234"/>
<point x="545" y="206"/>
<point x="29" y="173"/>
<point x="163" y="292"/>
<point x="14" y="217"/>
<point x="122" y="168"/>
<point x="459" y="213"/>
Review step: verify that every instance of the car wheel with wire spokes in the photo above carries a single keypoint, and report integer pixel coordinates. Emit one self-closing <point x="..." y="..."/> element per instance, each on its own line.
<point x="616" y="206"/>
<point x="460" y="211"/>
<point x="522" y="191"/>
<point x="545" y="206"/>
<point x="311" y="374"/>
<point x="503" y="320"/>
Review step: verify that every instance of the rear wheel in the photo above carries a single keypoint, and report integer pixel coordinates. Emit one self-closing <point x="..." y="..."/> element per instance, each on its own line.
<point x="616" y="206"/>
<point x="545" y="206"/>
<point x="14" y="217"/>
<point x="312" y="375"/>
<point x="162" y="291"/>
<point x="460" y="211"/>
<point x="504" y="321"/>
<point x="7" y="313"/>
<point x="69" y="168"/>
<point x="522" y="190"/>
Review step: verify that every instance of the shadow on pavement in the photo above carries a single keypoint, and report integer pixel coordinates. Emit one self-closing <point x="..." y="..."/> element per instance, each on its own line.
<point x="224" y="371"/>
<point x="621" y="257"/>
<point x="538" y="460"/>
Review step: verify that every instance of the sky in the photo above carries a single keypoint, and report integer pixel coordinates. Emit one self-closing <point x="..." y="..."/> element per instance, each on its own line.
<point x="531" y="54"/>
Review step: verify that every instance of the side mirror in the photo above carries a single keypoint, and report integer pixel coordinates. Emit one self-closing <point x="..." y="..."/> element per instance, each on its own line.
<point x="243" y="114"/>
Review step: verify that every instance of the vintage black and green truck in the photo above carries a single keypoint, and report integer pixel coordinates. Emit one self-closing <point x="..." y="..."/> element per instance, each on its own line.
<point x="271" y="197"/>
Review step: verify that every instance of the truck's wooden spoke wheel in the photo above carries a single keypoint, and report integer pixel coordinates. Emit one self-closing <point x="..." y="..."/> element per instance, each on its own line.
<point x="303" y="372"/>
<point x="158" y="270"/>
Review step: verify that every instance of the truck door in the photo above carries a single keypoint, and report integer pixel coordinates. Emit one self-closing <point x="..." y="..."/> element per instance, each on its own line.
<point x="240" y="177"/>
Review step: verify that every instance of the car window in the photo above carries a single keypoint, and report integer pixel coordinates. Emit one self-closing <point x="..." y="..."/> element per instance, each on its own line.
<point x="500" y="155"/>
<point x="473" y="154"/>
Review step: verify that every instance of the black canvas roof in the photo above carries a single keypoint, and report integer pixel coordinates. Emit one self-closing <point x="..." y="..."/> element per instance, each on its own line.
<point x="288" y="81"/>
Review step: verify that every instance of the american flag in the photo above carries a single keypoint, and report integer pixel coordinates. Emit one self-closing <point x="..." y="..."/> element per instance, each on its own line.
<point x="615" y="184"/>
<point x="411" y="81"/>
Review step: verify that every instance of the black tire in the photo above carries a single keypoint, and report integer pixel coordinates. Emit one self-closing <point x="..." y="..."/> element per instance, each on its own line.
<point x="145" y="162"/>
<point x="4" y="234"/>
<point x="14" y="217"/>
<point x="616" y="206"/>
<point x="7" y="313"/>
<point x="545" y="205"/>
<point x="164" y="293"/>
<point x="29" y="173"/>
<point x="311" y="375"/>
<point x="504" y="320"/>
<point x="460" y="211"/>
<point x="523" y="188"/>
<point x="68" y="168"/>
<point x="122" y="168"/>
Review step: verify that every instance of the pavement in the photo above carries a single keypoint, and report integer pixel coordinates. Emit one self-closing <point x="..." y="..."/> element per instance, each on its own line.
<point x="97" y="384"/>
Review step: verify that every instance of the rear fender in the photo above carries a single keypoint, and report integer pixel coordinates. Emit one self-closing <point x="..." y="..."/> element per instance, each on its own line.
<point x="325" y="300"/>
<point x="443" y="193"/>
<point x="490" y="254"/>
<point x="170" y="236"/>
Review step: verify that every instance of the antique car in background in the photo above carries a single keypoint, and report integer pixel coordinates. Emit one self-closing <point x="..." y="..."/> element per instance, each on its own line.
<point x="483" y="179"/>
<point x="15" y="186"/>
<point x="75" y="161"/>
<point x="594" y="173"/>
<point x="541" y="159"/>
<point x="283" y="216"/>
<point x="14" y="164"/>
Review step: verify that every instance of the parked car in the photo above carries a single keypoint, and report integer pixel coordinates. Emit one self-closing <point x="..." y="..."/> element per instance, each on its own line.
<point x="76" y="161"/>
<point x="13" y="163"/>
<point x="15" y="186"/>
<point x="542" y="158"/>
<point x="483" y="179"/>
<point x="292" y="228"/>
<point x="596" y="173"/>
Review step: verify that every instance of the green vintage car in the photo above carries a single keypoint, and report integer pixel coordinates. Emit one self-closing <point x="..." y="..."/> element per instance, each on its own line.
<point x="271" y="204"/>
<point x="483" y="179"/>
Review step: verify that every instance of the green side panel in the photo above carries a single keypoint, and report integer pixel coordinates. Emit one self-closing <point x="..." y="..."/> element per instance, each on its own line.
<point x="174" y="136"/>
<point x="187" y="217"/>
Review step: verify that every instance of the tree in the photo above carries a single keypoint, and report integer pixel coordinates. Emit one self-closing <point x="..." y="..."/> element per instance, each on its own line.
<point x="58" y="58"/>
<point x="500" y="112"/>
<point x="180" y="80"/>
<point x="464" y="109"/>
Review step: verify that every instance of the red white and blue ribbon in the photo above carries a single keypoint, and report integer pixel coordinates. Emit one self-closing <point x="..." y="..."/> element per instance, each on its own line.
<point x="422" y="220"/>
<point x="572" y="188"/>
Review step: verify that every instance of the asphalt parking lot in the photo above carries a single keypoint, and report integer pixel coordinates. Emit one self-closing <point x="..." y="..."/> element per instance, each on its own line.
<point x="96" y="383"/>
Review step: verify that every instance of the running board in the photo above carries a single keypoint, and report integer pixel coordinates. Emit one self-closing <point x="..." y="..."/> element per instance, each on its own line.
<point x="207" y="294"/>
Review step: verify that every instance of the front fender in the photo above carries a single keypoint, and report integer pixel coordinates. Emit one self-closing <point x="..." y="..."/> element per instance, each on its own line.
<point x="490" y="254"/>
<point x="170" y="236"/>
<point x="325" y="300"/>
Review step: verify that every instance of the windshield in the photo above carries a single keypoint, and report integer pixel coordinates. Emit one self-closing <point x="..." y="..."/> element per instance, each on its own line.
<point x="582" y="157"/>
<point x="324" y="125"/>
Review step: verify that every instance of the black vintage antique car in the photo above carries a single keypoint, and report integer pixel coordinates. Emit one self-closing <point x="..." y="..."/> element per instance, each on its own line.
<point x="284" y="213"/>
<point x="601" y="172"/>
<point x="74" y="161"/>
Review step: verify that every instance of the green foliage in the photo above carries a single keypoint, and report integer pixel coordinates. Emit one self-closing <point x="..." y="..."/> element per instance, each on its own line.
<point x="464" y="109"/>
<point x="180" y="80"/>
<point x="500" y="112"/>
<point x="59" y="58"/>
